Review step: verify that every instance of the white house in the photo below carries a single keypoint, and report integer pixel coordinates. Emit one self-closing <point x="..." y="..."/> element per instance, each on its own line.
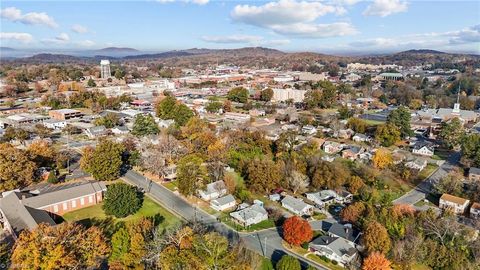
<point x="335" y="248"/>
<point x="417" y="164"/>
<point x="96" y="131"/>
<point x="223" y="203"/>
<point x="456" y="204"/>
<point x="118" y="130"/>
<point x="297" y="206"/>
<point x="475" y="210"/>
<point x="359" y="137"/>
<point x="250" y="215"/>
<point x="322" y="198"/>
<point x="54" y="123"/>
<point x="213" y="190"/>
<point x="309" y="130"/>
<point x="332" y="147"/>
<point x="423" y="149"/>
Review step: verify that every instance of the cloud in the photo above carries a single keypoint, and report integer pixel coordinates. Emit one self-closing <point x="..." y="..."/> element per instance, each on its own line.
<point x="197" y="2"/>
<point x="245" y="39"/>
<point x="293" y="18"/>
<point x="232" y="39"/>
<point x="21" y="37"/>
<point x="86" y="43"/>
<point x="80" y="29"/>
<point x="450" y="39"/>
<point x="62" y="38"/>
<point x="385" y="8"/>
<point x="32" y="18"/>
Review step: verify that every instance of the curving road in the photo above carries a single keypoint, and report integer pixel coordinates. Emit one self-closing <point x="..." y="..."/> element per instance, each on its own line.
<point x="268" y="242"/>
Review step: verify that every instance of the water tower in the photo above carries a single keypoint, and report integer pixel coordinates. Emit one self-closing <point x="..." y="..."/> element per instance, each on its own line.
<point x="105" y="69"/>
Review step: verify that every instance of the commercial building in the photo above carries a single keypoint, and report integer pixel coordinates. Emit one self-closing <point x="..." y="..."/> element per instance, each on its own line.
<point x="64" y="114"/>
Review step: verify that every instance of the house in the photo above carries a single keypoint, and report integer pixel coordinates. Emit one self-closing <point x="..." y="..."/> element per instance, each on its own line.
<point x="96" y="131"/>
<point x="22" y="210"/>
<point x="54" y="124"/>
<point x="359" y="137"/>
<point x="474" y="174"/>
<point x="223" y="203"/>
<point x="213" y="190"/>
<point x="345" y="231"/>
<point x="335" y="248"/>
<point x="416" y="164"/>
<point x="64" y="114"/>
<point x="423" y="149"/>
<point x="454" y="203"/>
<point x="250" y="215"/>
<point x="352" y="152"/>
<point x="309" y="130"/>
<point x="322" y="198"/>
<point x="344" y="134"/>
<point x="343" y="196"/>
<point x="297" y="206"/>
<point x="475" y="210"/>
<point x="330" y="147"/>
<point x="119" y="130"/>
<point x="274" y="197"/>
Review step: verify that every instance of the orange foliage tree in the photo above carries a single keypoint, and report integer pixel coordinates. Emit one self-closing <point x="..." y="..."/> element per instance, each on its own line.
<point x="297" y="231"/>
<point x="353" y="212"/>
<point x="376" y="261"/>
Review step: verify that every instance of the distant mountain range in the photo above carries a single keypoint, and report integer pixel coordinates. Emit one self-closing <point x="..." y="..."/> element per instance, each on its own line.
<point x="252" y="56"/>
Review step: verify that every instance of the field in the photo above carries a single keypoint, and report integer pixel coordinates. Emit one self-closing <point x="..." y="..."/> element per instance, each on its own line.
<point x="94" y="214"/>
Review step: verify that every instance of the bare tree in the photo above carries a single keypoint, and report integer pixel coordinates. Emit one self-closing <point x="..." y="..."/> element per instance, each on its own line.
<point x="298" y="182"/>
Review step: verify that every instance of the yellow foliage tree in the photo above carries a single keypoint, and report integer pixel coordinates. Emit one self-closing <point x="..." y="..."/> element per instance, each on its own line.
<point x="382" y="158"/>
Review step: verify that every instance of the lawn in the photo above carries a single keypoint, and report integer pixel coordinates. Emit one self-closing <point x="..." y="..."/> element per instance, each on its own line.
<point x="266" y="224"/>
<point x="94" y="214"/>
<point x="425" y="173"/>
<point x="302" y="252"/>
<point x="172" y="185"/>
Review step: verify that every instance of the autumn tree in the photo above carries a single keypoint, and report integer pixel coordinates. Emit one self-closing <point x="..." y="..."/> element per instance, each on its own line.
<point x="266" y="95"/>
<point x="121" y="200"/>
<point x="213" y="105"/>
<point x="387" y="134"/>
<point x="156" y="158"/>
<point x="105" y="161"/>
<point x="144" y="125"/>
<point x="376" y="238"/>
<point x="262" y="175"/>
<point x="297" y="231"/>
<point x="354" y="184"/>
<point x="357" y="124"/>
<point x="382" y="158"/>
<point x="353" y="212"/>
<point x="65" y="246"/>
<point x="400" y="118"/>
<point x="328" y="175"/>
<point x="191" y="174"/>
<point x="471" y="150"/>
<point x="376" y="261"/>
<point x="288" y="262"/>
<point x="452" y="133"/>
<point x="238" y="94"/>
<point x="17" y="170"/>
<point x="110" y="120"/>
<point x="227" y="106"/>
<point x="170" y="108"/>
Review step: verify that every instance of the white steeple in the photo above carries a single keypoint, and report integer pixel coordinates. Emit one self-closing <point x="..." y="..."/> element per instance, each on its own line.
<point x="456" y="106"/>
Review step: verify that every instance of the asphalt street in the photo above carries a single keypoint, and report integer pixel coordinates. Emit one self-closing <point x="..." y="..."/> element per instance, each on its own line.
<point x="268" y="242"/>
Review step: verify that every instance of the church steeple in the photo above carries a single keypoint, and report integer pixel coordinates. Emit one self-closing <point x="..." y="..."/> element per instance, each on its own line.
<point x="456" y="106"/>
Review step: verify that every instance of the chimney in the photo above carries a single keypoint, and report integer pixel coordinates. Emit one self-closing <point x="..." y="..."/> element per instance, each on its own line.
<point x="346" y="229"/>
<point x="326" y="241"/>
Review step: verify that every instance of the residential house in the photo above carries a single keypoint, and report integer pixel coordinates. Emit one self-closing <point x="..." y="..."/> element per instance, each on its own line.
<point x="213" y="190"/>
<point x="343" y="196"/>
<point x="322" y="198"/>
<point x="309" y="130"/>
<point x="352" y="152"/>
<point x="456" y="204"/>
<point x="96" y="131"/>
<point x="335" y="248"/>
<point x="474" y="174"/>
<point x="475" y="210"/>
<point x="416" y="164"/>
<point x="423" y="149"/>
<point x="359" y="137"/>
<point x="330" y="147"/>
<point x="345" y="231"/>
<point x="119" y="130"/>
<point x="223" y="203"/>
<point x="274" y="197"/>
<point x="297" y="206"/>
<point x="344" y="134"/>
<point x="250" y="215"/>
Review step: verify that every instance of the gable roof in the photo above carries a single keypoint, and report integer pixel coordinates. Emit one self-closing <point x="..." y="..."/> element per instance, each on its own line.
<point x="250" y="212"/>
<point x="474" y="170"/>
<point x="295" y="203"/>
<point x="337" y="245"/>
<point x="344" y="232"/>
<point x="65" y="194"/>
<point x="453" y="199"/>
<point x="224" y="200"/>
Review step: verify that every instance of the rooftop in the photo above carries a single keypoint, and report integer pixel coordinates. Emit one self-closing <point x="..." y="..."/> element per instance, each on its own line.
<point x="454" y="199"/>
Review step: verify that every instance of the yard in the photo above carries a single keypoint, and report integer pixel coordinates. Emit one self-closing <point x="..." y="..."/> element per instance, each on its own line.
<point x="266" y="224"/>
<point x="94" y="215"/>
<point x="305" y="253"/>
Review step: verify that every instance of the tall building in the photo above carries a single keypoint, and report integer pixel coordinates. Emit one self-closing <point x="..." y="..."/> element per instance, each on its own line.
<point x="105" y="69"/>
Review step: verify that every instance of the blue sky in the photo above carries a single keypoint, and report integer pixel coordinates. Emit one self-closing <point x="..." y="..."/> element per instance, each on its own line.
<point x="330" y="26"/>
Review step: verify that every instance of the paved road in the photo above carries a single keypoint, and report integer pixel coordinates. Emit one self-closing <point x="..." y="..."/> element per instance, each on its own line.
<point x="254" y="241"/>
<point x="425" y="187"/>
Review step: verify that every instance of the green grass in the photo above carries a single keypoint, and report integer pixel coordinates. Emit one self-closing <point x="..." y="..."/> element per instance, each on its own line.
<point x="171" y="185"/>
<point x="319" y="216"/>
<point x="95" y="214"/>
<point x="266" y="224"/>
<point x="425" y="173"/>
<point x="373" y="122"/>
<point x="319" y="260"/>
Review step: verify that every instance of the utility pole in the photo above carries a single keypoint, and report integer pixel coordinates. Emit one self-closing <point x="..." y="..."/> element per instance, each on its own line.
<point x="68" y="152"/>
<point x="265" y="250"/>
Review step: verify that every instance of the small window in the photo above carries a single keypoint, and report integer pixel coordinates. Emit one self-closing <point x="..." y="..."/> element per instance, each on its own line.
<point x="90" y="199"/>
<point x="82" y="201"/>
<point x="74" y="203"/>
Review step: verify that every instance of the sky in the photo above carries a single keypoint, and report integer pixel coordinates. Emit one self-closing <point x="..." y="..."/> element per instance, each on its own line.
<point x="326" y="26"/>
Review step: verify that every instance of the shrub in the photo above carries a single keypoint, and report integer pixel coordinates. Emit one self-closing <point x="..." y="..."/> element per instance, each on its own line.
<point x="121" y="200"/>
<point x="304" y="245"/>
